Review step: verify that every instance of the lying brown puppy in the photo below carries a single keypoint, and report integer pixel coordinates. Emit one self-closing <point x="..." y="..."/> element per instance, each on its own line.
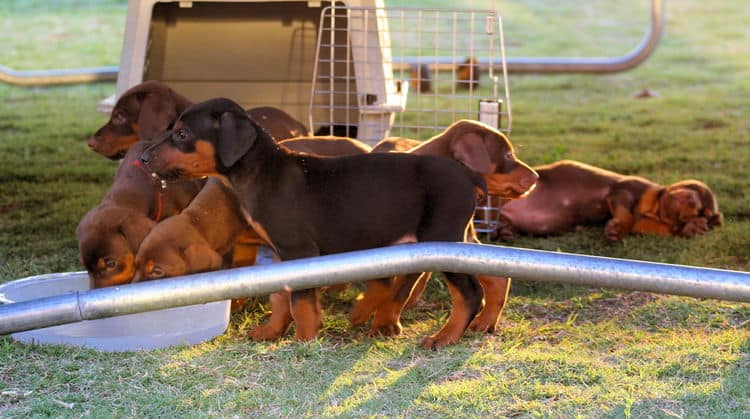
<point x="486" y="151"/>
<point x="149" y="108"/>
<point x="206" y="233"/>
<point x="109" y="234"/>
<point x="306" y="206"/>
<point x="570" y="194"/>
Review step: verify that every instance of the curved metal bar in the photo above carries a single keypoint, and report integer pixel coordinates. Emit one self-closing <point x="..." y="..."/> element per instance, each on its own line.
<point x="376" y="263"/>
<point x="51" y="77"/>
<point x="552" y="65"/>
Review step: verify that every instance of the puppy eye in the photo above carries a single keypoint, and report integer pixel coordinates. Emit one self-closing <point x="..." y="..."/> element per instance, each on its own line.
<point x="156" y="272"/>
<point x="110" y="263"/>
<point x="118" y="118"/>
<point x="180" y="135"/>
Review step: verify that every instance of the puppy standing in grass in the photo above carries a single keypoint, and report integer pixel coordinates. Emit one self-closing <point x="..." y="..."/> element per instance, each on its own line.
<point x="306" y="206"/>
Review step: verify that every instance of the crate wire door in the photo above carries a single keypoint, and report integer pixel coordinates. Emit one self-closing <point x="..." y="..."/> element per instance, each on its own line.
<point x="404" y="72"/>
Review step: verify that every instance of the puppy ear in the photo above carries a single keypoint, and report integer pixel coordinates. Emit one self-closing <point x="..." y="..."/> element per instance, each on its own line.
<point x="156" y="114"/>
<point x="201" y="258"/>
<point x="135" y="228"/>
<point x="236" y="136"/>
<point x="469" y="149"/>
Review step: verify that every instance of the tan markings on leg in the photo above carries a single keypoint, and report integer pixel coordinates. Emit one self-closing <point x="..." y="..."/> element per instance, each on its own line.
<point x="495" y="295"/>
<point x="278" y="323"/>
<point x="454" y="328"/>
<point x="307" y="317"/>
<point x="387" y="318"/>
<point x="376" y="291"/>
<point x="418" y="289"/>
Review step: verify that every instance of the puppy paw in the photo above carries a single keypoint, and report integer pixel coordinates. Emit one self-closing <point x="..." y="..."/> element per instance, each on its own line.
<point x="437" y="341"/>
<point x="483" y="323"/>
<point x="695" y="227"/>
<point x="265" y="332"/>
<point x="613" y="231"/>
<point x="388" y="329"/>
<point x="360" y="313"/>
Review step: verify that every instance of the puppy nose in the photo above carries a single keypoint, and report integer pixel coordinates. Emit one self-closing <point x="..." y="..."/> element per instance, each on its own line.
<point x="145" y="156"/>
<point x="91" y="142"/>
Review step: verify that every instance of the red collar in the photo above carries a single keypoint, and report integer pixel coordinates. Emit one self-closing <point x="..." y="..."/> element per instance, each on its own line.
<point x="159" y="184"/>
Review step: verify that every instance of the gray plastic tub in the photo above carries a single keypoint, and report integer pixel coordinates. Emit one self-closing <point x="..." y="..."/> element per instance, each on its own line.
<point x="131" y="332"/>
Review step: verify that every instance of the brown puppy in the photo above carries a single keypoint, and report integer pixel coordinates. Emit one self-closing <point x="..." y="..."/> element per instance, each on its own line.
<point x="306" y="206"/>
<point x="142" y="112"/>
<point x="279" y="124"/>
<point x="121" y="218"/>
<point x="467" y="74"/>
<point x="570" y="194"/>
<point x="149" y="108"/>
<point x="204" y="234"/>
<point x="195" y="240"/>
<point x="488" y="152"/>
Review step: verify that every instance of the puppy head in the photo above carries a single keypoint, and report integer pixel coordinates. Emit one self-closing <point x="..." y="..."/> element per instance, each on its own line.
<point x="485" y="150"/>
<point x="207" y="139"/>
<point x="107" y="240"/>
<point x="141" y="112"/>
<point x="688" y="199"/>
<point x="174" y="248"/>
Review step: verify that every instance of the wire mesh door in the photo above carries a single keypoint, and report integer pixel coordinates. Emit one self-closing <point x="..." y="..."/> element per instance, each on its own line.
<point x="407" y="72"/>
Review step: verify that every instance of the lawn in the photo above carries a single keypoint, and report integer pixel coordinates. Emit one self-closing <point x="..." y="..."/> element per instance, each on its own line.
<point x="560" y="350"/>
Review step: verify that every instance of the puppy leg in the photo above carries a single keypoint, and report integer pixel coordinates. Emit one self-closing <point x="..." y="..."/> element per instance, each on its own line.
<point x="695" y="227"/>
<point x="307" y="313"/>
<point x="650" y="226"/>
<point x="417" y="290"/>
<point x="376" y="291"/>
<point x="496" y="291"/>
<point x="466" y="297"/>
<point x="278" y="323"/>
<point x="621" y="224"/>
<point x="387" y="319"/>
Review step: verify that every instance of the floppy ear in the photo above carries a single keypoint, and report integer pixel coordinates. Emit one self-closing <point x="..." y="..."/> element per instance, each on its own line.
<point x="710" y="206"/>
<point x="156" y="114"/>
<point x="135" y="228"/>
<point x="201" y="258"/>
<point x="236" y="136"/>
<point x="469" y="149"/>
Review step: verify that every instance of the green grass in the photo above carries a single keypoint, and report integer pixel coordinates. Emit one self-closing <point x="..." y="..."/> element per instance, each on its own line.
<point x="561" y="350"/>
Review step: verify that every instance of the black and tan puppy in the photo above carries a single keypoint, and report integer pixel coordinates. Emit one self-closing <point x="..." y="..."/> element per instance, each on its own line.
<point x="306" y="205"/>
<point x="109" y="235"/>
<point x="149" y="108"/>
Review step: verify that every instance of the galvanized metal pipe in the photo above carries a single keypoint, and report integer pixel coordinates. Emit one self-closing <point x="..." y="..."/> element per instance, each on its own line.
<point x="62" y="76"/>
<point x="376" y="263"/>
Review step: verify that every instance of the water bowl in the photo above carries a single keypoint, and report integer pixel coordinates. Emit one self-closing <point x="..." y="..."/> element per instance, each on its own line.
<point x="141" y="331"/>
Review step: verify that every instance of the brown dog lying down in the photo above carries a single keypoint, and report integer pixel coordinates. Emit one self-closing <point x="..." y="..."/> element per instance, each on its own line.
<point x="109" y="234"/>
<point x="149" y="108"/>
<point x="206" y="233"/>
<point x="485" y="151"/>
<point x="570" y="194"/>
<point x="304" y="205"/>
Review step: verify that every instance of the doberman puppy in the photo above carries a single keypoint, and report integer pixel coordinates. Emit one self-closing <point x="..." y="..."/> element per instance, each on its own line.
<point x="305" y="205"/>
<point x="205" y="234"/>
<point x="109" y="234"/>
<point x="486" y="151"/>
<point x="570" y="194"/>
<point x="149" y="108"/>
<point x="196" y="240"/>
<point x="467" y="74"/>
<point x="142" y="111"/>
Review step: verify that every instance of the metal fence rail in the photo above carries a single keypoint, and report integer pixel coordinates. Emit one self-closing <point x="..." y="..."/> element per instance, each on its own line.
<point x="376" y="263"/>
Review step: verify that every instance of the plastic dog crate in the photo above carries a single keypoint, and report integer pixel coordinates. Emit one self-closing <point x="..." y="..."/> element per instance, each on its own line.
<point x="333" y="66"/>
